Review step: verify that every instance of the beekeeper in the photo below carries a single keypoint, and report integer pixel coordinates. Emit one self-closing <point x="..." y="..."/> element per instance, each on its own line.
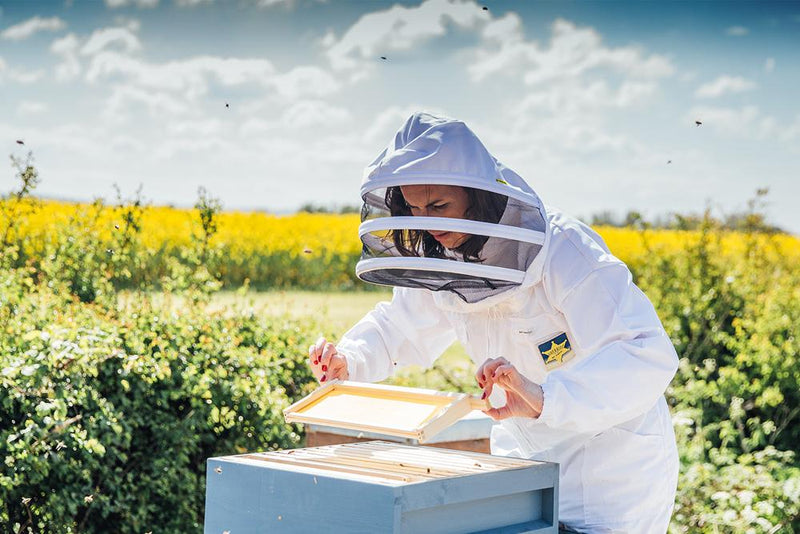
<point x="570" y="352"/>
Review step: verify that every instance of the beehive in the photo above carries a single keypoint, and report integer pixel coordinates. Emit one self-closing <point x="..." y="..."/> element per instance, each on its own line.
<point x="379" y="486"/>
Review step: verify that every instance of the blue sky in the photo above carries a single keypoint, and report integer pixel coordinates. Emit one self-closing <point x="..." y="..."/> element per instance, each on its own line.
<point x="588" y="101"/>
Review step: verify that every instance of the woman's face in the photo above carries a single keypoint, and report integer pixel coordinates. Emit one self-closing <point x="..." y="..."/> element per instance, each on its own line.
<point x="439" y="201"/>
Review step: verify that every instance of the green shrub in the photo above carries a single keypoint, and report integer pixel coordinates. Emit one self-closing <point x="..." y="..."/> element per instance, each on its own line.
<point x="736" y="396"/>
<point x="109" y="407"/>
<point x="107" y="417"/>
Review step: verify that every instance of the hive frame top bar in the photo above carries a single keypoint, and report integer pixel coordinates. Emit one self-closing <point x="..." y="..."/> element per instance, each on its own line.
<point x="383" y="462"/>
<point x="390" y="410"/>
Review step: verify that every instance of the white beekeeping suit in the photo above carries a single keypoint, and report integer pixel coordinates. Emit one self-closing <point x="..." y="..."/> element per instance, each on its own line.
<point x="547" y="295"/>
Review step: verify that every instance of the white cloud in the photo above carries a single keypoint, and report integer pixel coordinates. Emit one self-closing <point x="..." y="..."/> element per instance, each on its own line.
<point x="25" y="76"/>
<point x="254" y="127"/>
<point x="792" y="132"/>
<point x="192" y="3"/>
<point x="67" y="49"/>
<point x="19" y="76"/>
<point x="270" y="3"/>
<point x="724" y="84"/>
<point x="113" y="4"/>
<point x="572" y="52"/>
<point x="125" y="102"/>
<point x="305" y="80"/>
<point x="122" y="38"/>
<point x="398" y="28"/>
<point x="301" y="115"/>
<point x="769" y="64"/>
<point x="746" y="122"/>
<point x="25" y="29"/>
<point x="191" y="77"/>
<point x="316" y="113"/>
<point x="195" y="128"/>
<point x="188" y="77"/>
<point x="737" y="31"/>
<point x="31" y="107"/>
<point x="382" y="128"/>
<point x="575" y="98"/>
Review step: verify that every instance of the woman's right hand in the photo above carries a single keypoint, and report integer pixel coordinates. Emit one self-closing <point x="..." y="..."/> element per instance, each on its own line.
<point x="325" y="362"/>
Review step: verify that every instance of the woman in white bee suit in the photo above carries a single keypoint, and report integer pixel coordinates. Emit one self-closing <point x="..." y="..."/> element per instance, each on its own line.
<point x="550" y="317"/>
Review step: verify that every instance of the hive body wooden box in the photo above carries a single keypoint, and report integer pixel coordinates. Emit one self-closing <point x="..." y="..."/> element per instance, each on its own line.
<point x="470" y="433"/>
<point x="377" y="486"/>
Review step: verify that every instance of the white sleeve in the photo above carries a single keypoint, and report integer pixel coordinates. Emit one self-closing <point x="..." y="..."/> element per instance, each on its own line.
<point x="410" y="329"/>
<point x="629" y="359"/>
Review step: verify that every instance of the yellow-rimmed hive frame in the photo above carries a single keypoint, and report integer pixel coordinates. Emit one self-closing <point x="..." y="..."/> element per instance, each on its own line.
<point x="392" y="410"/>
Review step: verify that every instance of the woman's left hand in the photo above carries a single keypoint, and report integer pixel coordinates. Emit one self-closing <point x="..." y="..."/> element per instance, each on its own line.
<point x="523" y="397"/>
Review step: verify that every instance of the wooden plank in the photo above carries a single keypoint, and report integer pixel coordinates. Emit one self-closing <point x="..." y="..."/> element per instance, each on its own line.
<point x="458" y="465"/>
<point x="397" y="465"/>
<point x="386" y="474"/>
<point x="478" y="404"/>
<point x="319" y="438"/>
<point x="444" y="418"/>
<point x="443" y="453"/>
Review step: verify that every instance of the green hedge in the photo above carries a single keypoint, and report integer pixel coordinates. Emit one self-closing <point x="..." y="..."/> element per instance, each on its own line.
<point x="735" y="400"/>
<point x="107" y="416"/>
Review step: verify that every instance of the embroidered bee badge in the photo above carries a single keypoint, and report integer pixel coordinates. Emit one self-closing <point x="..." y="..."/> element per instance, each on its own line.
<point x="556" y="351"/>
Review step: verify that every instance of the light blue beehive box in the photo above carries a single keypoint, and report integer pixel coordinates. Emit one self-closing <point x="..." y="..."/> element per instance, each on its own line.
<point x="378" y="486"/>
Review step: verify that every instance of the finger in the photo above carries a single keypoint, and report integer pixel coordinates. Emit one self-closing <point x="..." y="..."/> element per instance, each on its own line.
<point x="499" y="414"/>
<point x="312" y="354"/>
<point x="479" y="373"/>
<point x="482" y="372"/>
<point x="487" y="390"/>
<point x="504" y="369"/>
<point x="507" y="376"/>
<point x="319" y="346"/>
<point x="313" y="362"/>
<point x="338" y="368"/>
<point x="327" y="353"/>
<point x="489" y="368"/>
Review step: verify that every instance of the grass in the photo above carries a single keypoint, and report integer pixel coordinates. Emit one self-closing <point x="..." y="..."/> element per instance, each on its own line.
<point x="336" y="312"/>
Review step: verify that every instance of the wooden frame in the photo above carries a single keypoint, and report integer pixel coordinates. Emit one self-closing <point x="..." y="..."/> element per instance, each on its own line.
<point x="392" y="410"/>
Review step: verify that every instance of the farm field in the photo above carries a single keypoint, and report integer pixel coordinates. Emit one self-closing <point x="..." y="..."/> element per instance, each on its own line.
<point x="314" y="252"/>
<point x="136" y="342"/>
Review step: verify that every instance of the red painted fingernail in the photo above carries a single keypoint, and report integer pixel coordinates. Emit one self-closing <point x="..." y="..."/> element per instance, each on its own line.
<point x="483" y="396"/>
<point x="322" y="379"/>
<point x="324" y="368"/>
<point x="316" y="362"/>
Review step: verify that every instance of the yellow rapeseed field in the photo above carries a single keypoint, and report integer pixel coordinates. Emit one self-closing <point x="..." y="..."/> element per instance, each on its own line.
<point x="282" y="250"/>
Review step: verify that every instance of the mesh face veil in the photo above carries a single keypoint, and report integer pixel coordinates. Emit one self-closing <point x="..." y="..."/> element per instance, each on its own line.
<point x="441" y="213"/>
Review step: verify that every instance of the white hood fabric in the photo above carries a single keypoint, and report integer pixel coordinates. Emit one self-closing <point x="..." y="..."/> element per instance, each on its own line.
<point x="576" y="324"/>
<point x="430" y="150"/>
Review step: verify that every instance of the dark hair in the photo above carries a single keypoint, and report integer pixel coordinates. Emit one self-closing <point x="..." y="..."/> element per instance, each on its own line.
<point x="484" y="206"/>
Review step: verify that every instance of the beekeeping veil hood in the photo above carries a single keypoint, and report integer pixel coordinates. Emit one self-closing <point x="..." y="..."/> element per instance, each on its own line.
<point x="503" y="236"/>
